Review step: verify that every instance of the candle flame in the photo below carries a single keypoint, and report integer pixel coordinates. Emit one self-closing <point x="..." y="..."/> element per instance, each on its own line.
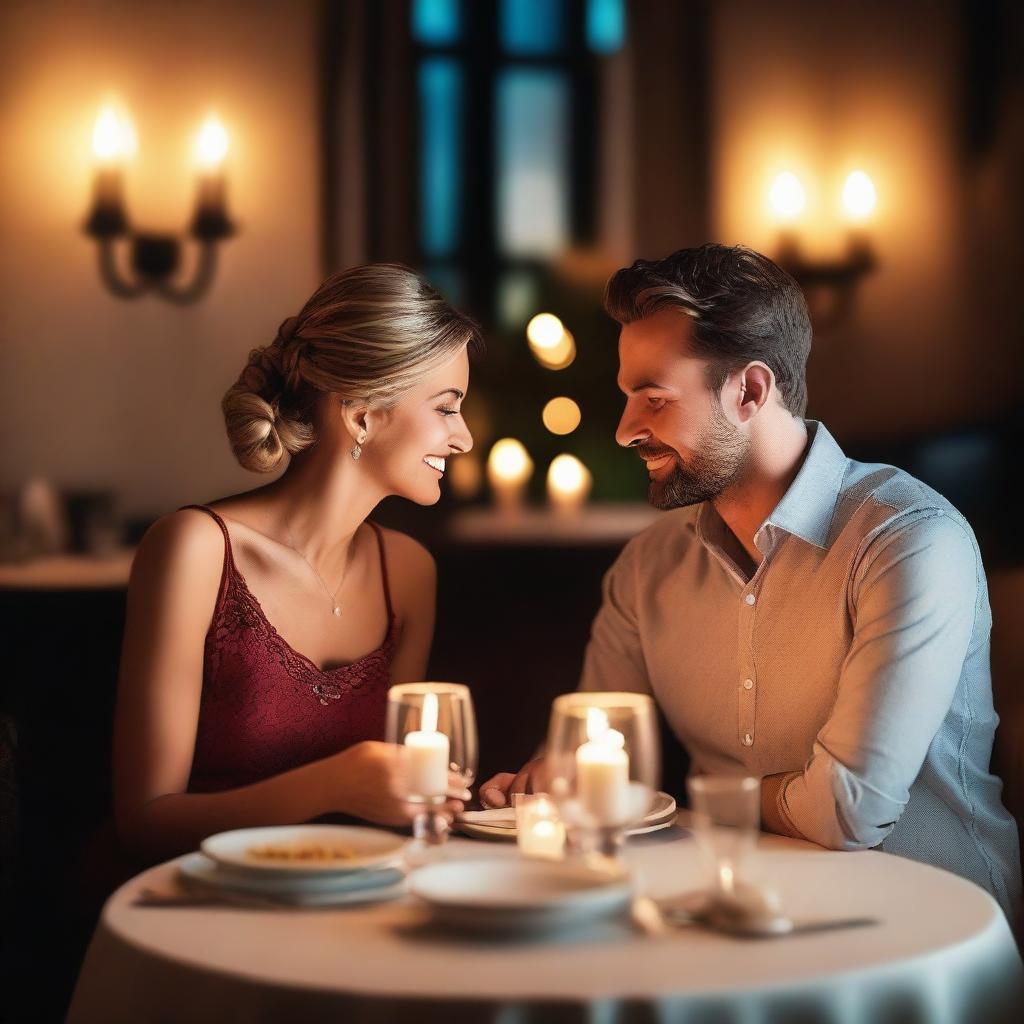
<point x="428" y="716"/>
<point x="211" y="144"/>
<point x="113" y="137"/>
<point x="859" y="196"/>
<point x="597" y="723"/>
<point x="787" y="196"/>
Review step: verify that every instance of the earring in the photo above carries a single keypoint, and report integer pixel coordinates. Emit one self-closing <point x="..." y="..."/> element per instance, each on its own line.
<point x="358" y="450"/>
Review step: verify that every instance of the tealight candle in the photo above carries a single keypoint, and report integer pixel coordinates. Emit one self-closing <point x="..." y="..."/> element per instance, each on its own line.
<point x="427" y="754"/>
<point x="602" y="772"/>
<point x="539" y="833"/>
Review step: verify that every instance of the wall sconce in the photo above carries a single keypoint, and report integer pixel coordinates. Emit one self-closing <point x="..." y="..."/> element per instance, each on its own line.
<point x="837" y="277"/>
<point x="156" y="257"/>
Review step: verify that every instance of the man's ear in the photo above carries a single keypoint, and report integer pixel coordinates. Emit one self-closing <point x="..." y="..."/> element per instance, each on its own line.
<point x="756" y="384"/>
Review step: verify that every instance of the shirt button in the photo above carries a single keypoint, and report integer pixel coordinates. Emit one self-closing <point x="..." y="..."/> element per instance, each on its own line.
<point x="748" y="684"/>
<point x="750" y="599"/>
<point x="748" y="740"/>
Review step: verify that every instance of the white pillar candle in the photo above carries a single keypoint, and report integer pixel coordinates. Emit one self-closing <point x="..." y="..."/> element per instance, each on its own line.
<point x="602" y="772"/>
<point x="428" y="754"/>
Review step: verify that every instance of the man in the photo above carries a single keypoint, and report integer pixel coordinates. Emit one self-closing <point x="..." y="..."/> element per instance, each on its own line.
<point x="817" y="622"/>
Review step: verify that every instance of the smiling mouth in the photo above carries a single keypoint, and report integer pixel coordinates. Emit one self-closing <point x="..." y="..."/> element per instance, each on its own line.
<point x="655" y="464"/>
<point x="435" y="462"/>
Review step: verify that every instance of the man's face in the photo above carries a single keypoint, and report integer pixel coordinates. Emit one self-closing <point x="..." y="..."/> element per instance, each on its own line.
<point x="676" y="424"/>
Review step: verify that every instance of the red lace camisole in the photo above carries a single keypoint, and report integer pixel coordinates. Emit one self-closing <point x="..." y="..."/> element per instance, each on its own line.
<point x="266" y="708"/>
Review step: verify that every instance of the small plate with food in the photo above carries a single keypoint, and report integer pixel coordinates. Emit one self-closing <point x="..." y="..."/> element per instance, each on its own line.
<point x="304" y="849"/>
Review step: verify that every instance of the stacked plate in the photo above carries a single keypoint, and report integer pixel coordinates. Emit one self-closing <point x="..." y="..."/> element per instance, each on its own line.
<point x="500" y="822"/>
<point x="500" y="895"/>
<point x="301" y="865"/>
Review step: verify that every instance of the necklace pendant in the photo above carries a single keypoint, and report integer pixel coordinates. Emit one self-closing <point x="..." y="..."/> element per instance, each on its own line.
<point x="337" y="610"/>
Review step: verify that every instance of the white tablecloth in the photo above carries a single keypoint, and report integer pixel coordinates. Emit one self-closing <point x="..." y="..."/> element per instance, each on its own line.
<point x="943" y="953"/>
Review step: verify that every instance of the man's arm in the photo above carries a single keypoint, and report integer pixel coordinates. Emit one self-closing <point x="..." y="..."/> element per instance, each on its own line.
<point x="915" y="602"/>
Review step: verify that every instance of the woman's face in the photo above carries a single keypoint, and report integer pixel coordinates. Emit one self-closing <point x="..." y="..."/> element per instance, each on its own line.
<point x="408" y="445"/>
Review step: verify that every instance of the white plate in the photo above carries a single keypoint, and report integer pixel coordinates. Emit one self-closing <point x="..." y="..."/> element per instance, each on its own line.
<point x="199" y="872"/>
<point x="496" y="824"/>
<point x="498" y="894"/>
<point x="371" y="848"/>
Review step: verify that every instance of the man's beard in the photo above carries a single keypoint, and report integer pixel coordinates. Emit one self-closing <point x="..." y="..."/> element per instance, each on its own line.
<point x="716" y="464"/>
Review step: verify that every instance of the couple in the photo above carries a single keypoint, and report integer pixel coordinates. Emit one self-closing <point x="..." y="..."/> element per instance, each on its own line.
<point x="817" y="622"/>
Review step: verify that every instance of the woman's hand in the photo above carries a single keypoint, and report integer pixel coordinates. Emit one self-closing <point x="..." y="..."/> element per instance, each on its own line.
<point x="369" y="781"/>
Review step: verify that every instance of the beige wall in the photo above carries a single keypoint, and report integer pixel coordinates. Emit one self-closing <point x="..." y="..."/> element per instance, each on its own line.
<point x="821" y="89"/>
<point x="95" y="390"/>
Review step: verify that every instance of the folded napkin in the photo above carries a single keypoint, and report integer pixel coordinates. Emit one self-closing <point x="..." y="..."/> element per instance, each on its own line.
<point x="501" y="816"/>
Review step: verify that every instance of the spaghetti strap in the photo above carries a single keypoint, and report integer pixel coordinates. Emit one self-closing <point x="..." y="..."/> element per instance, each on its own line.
<point x="383" y="569"/>
<point x="229" y="559"/>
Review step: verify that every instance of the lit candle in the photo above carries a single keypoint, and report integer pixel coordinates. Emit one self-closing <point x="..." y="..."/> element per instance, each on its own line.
<point x="787" y="200"/>
<point x="539" y="833"/>
<point x="211" y="150"/>
<point x="113" y="141"/>
<point x="569" y="483"/>
<point x="602" y="772"/>
<point x="509" y="467"/>
<point x="428" y="754"/>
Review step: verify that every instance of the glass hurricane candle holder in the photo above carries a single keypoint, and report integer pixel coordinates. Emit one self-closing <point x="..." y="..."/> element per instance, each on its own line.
<point x="539" y="831"/>
<point x="725" y="814"/>
<point x="603" y="766"/>
<point x="435" y="725"/>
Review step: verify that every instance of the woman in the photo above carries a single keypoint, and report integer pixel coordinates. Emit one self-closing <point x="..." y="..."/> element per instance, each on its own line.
<point x="264" y="630"/>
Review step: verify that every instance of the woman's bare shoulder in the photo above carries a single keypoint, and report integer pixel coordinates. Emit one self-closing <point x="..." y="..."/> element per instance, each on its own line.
<point x="187" y="538"/>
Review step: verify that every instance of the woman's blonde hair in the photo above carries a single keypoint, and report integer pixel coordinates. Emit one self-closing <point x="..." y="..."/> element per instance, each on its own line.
<point x="368" y="334"/>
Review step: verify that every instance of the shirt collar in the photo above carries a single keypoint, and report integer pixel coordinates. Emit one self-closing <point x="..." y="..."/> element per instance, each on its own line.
<point x="806" y="509"/>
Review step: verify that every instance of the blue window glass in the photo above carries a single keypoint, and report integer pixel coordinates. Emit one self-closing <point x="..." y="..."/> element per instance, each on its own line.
<point x="440" y="96"/>
<point x="532" y="150"/>
<point x="606" y="25"/>
<point x="532" y="27"/>
<point x="436" y="22"/>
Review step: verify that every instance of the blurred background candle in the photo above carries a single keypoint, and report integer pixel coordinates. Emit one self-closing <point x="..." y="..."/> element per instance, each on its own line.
<point x="539" y="831"/>
<point x="427" y="754"/>
<point x="602" y="771"/>
<point x="509" y="468"/>
<point x="569" y="483"/>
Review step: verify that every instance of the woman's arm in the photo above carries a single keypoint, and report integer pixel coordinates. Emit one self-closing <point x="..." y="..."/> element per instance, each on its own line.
<point x="171" y="597"/>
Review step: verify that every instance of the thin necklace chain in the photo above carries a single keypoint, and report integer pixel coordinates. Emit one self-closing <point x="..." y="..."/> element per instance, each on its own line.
<point x="335" y="607"/>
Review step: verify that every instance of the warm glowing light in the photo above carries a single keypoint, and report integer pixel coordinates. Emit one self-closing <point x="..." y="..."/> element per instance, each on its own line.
<point x="568" y="477"/>
<point x="561" y="415"/>
<point x="428" y="716"/>
<point x="509" y="467"/>
<point x="597" y="723"/>
<point x="545" y="331"/>
<point x="211" y="144"/>
<point x="559" y="357"/>
<point x="787" y="197"/>
<point x="509" y="461"/>
<point x="113" y="138"/>
<point x="859" y="196"/>
<point x="465" y="475"/>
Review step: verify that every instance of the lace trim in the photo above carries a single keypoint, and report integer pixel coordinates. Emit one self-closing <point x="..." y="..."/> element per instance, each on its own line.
<point x="240" y="612"/>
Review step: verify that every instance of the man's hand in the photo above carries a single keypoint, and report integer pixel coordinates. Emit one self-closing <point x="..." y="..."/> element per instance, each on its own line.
<point x="497" y="792"/>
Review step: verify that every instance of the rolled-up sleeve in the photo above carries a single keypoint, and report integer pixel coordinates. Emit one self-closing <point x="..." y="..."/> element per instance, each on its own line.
<point x="614" y="659"/>
<point x="913" y="607"/>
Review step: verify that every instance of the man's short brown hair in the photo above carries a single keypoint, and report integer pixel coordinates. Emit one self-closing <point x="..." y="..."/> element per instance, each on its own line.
<point x="744" y="307"/>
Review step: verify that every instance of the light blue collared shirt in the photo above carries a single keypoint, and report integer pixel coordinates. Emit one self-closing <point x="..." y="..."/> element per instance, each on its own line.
<point x="856" y="658"/>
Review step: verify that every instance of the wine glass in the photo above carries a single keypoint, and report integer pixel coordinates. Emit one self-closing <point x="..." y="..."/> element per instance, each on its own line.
<point x="435" y="725"/>
<point x="603" y="766"/>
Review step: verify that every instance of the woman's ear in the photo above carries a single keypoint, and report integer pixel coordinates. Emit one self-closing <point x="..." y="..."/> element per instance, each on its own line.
<point x="355" y="416"/>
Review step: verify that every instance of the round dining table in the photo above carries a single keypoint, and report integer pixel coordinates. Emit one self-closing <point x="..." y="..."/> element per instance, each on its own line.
<point x="940" y="952"/>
